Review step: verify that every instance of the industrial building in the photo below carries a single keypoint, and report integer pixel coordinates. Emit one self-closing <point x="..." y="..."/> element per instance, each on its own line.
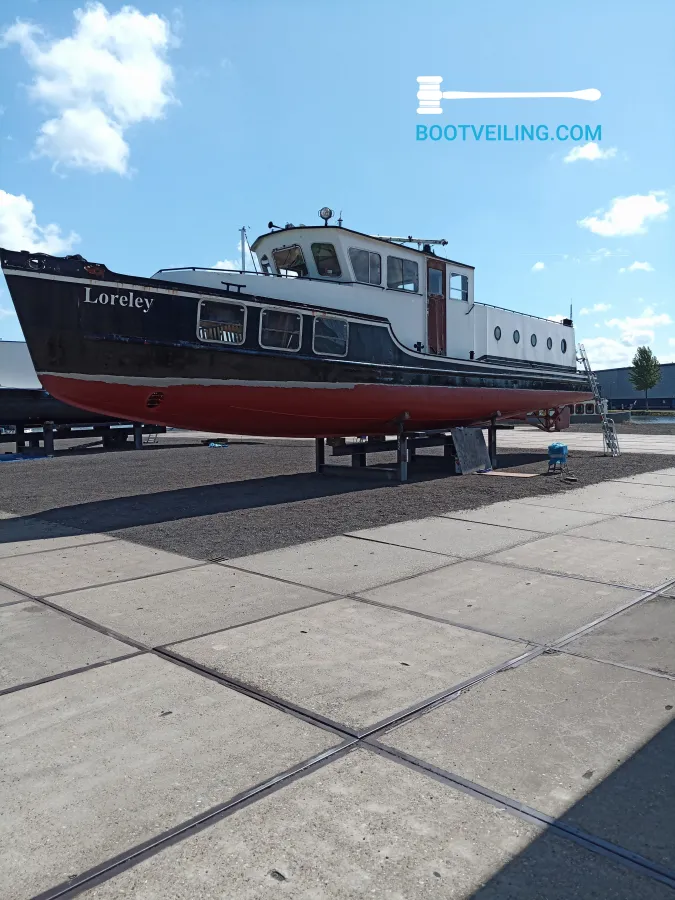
<point x="619" y="392"/>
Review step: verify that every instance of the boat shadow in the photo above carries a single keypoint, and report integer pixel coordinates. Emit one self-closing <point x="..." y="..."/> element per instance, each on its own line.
<point x="234" y="518"/>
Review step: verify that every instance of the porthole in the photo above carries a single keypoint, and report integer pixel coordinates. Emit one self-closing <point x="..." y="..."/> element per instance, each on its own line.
<point x="498" y="333"/>
<point x="516" y="337"/>
<point x="533" y="340"/>
<point x="563" y="345"/>
<point x="549" y="343"/>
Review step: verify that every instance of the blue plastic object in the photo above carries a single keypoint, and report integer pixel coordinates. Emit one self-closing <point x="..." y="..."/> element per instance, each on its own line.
<point x="557" y="456"/>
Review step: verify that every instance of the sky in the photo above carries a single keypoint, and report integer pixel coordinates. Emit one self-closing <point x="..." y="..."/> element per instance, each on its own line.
<point x="145" y="135"/>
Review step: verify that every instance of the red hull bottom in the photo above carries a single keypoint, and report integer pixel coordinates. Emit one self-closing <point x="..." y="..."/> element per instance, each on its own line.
<point x="300" y="411"/>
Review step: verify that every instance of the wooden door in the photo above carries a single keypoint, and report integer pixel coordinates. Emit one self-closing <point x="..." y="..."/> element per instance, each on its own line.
<point x="436" y="293"/>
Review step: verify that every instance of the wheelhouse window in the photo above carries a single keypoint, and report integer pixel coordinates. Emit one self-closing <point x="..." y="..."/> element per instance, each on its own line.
<point x="326" y="260"/>
<point x="402" y="274"/>
<point x="367" y="266"/>
<point x="459" y="287"/>
<point x="265" y="265"/>
<point x="330" y="336"/>
<point x="290" y="261"/>
<point x="280" y="330"/>
<point x="435" y="282"/>
<point x="223" y="323"/>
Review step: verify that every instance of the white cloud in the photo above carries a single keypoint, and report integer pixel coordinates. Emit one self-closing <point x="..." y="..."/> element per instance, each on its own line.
<point x="538" y="266"/>
<point x="236" y="263"/>
<point x="638" y="267"/>
<point x="556" y="318"/>
<point x="19" y="229"/>
<point x="627" y="215"/>
<point x="6" y="313"/>
<point x="599" y="255"/>
<point x="597" y="308"/>
<point x="671" y="341"/>
<point x="109" y="74"/>
<point x="589" y="151"/>
<point x="607" y="353"/>
<point x="639" y="329"/>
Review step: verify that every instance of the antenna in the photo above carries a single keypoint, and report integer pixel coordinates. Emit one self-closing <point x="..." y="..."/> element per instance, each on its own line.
<point x="411" y="240"/>
<point x="242" y="232"/>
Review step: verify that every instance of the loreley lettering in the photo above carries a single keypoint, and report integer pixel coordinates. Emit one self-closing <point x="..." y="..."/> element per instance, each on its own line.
<point x="129" y="300"/>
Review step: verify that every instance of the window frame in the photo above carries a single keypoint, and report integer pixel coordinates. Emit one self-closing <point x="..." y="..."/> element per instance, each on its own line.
<point x="323" y="353"/>
<point x="563" y="349"/>
<point x="337" y="258"/>
<point x="463" y="291"/>
<point x="222" y="303"/>
<point x="516" y="340"/>
<point x="370" y="253"/>
<point x="263" y="310"/>
<point x="497" y="332"/>
<point x="403" y="259"/>
<point x="549" y="343"/>
<point x="278" y="267"/>
<point x="533" y="339"/>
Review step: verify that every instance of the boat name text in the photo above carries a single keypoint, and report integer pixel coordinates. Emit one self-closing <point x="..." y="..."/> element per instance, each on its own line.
<point x="129" y="300"/>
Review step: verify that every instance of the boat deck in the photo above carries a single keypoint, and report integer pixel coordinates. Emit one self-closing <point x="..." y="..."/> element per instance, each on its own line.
<point x="224" y="676"/>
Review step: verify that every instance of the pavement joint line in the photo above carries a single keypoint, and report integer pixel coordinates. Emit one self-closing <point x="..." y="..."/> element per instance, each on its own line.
<point x="536" y="536"/>
<point x="276" y="615"/>
<point x="137" y="854"/>
<point x="591" y="842"/>
<point x="78" y="671"/>
<point x="590" y="537"/>
<point x="332" y="594"/>
<point x="255" y="693"/>
<point x="13" y="602"/>
<point x="106" y="540"/>
<point x="584" y="629"/>
<point x="90" y="587"/>
<point x="441" y="621"/>
<point x="468" y="521"/>
<point x="442" y="697"/>
<point x="618" y="665"/>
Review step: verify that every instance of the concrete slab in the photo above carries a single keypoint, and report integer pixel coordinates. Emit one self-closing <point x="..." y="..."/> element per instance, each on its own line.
<point x="36" y="642"/>
<point x="187" y="603"/>
<point x="662" y="512"/>
<point x="512" y="602"/>
<point x="643" y="636"/>
<point x="560" y="729"/>
<point x="341" y="565"/>
<point x="611" y="498"/>
<point x="629" y="530"/>
<point x="644" y="567"/>
<point x="42" y="574"/>
<point x="98" y="762"/>
<point x="449" y="536"/>
<point x="515" y="514"/>
<point x="7" y="596"/>
<point x="365" y="826"/>
<point x="19" y="536"/>
<point x="348" y="661"/>
<point x="661" y="479"/>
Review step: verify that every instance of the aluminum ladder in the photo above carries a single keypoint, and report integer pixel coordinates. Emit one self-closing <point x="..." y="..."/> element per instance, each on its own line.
<point x="610" y="440"/>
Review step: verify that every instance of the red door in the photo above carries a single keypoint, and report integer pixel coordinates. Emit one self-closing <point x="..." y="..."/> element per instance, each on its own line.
<point x="436" y="307"/>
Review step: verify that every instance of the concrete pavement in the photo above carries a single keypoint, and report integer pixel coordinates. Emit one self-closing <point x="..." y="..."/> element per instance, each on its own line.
<point x="477" y="704"/>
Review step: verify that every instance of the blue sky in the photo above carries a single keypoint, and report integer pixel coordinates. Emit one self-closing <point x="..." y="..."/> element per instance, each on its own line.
<point x="150" y="136"/>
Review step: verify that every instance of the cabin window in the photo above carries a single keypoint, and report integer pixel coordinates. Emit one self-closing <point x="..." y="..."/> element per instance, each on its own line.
<point x="563" y="345"/>
<point x="549" y="343"/>
<point x="533" y="340"/>
<point x="590" y="409"/>
<point x="579" y="409"/>
<point x="330" y="336"/>
<point x="280" y="330"/>
<point x="516" y="337"/>
<point x="265" y="265"/>
<point x="367" y="266"/>
<point x="326" y="260"/>
<point x="290" y="261"/>
<point x="498" y="333"/>
<point x="402" y="274"/>
<point x="223" y="323"/>
<point x="459" y="287"/>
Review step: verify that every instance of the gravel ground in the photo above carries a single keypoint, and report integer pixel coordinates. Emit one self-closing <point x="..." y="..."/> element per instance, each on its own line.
<point x="212" y="503"/>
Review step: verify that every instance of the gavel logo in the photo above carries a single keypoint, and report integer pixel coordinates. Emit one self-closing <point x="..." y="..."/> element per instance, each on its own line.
<point x="430" y="95"/>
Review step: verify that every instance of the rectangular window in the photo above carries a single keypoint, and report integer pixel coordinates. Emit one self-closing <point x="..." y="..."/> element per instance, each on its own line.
<point x="223" y="323"/>
<point x="459" y="287"/>
<point x="330" y="336"/>
<point x="402" y="274"/>
<point x="367" y="266"/>
<point x="280" y="330"/>
<point x="435" y="285"/>
<point x="326" y="260"/>
<point x="290" y="261"/>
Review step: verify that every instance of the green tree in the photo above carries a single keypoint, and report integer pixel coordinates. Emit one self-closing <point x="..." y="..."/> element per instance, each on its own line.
<point x="646" y="371"/>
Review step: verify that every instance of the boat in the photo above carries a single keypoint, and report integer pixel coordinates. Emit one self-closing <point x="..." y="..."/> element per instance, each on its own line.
<point x="335" y="333"/>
